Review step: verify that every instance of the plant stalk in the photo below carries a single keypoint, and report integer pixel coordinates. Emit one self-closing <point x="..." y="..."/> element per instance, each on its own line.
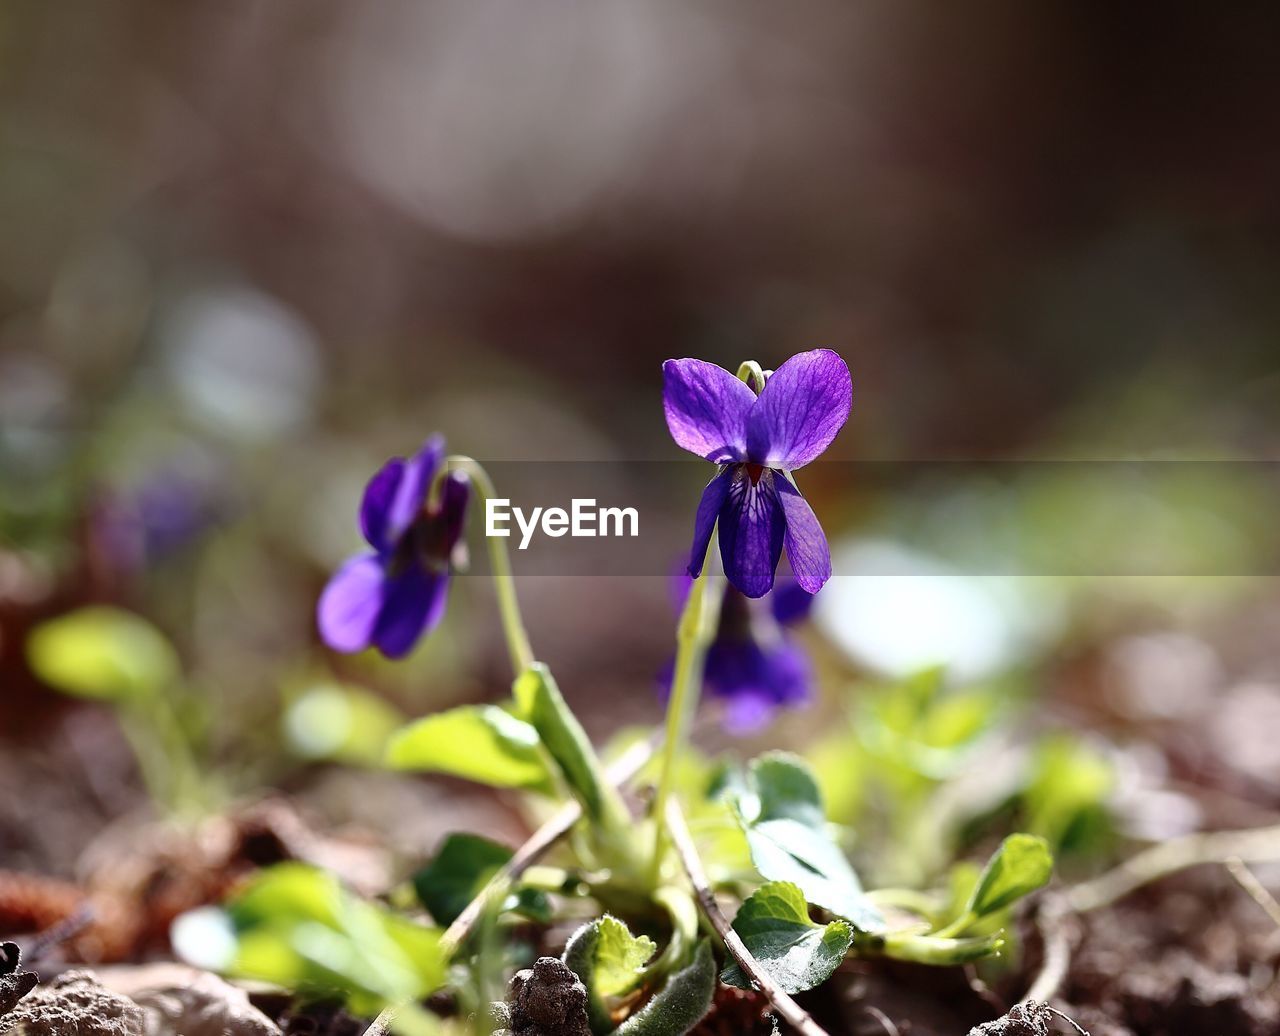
<point x="513" y="627"/>
<point x="697" y="624"/>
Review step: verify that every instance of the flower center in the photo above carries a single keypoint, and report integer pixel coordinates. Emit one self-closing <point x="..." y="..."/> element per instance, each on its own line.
<point x="755" y="471"/>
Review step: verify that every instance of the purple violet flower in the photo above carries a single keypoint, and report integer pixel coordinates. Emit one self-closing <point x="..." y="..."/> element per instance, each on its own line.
<point x="758" y="441"/>
<point x="752" y="665"/>
<point x="390" y="597"/>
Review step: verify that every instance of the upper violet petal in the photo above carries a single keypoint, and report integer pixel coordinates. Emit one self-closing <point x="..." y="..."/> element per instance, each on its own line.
<point x="379" y="498"/>
<point x="348" y="610"/>
<point x="414" y="603"/>
<point x="704" y="522"/>
<point x="412" y="492"/>
<point x="803" y="406"/>
<point x="706" y="409"/>
<point x="752" y="526"/>
<point x="395" y="495"/>
<point x="807" y="548"/>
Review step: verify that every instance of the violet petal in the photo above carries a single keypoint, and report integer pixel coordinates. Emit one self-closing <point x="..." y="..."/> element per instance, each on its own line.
<point x="395" y="495"/>
<point x="807" y="548"/>
<point x="414" y="603"/>
<point x="379" y="498"/>
<point x="752" y="527"/>
<point x="709" y="507"/>
<point x="706" y="409"/>
<point x="803" y="406"/>
<point x="348" y="610"/>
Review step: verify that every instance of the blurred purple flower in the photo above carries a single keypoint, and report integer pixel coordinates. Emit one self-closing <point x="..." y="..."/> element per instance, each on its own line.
<point x="390" y="597"/>
<point x="157" y="518"/>
<point x="758" y="441"/>
<point x="751" y="664"/>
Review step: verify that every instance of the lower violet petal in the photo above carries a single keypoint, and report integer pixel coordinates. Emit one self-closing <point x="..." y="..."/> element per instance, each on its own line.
<point x="708" y="510"/>
<point x="413" y="604"/>
<point x="807" y="548"/>
<point x="752" y="526"/>
<point x="350" y="604"/>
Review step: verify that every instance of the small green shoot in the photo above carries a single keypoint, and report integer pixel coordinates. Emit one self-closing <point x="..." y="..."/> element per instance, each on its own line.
<point x="110" y="655"/>
<point x="610" y="961"/>
<point x="681" y="1003"/>
<point x="1021" y="865"/>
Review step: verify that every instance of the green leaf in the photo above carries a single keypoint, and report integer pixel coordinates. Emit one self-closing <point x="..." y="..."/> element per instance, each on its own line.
<point x="530" y="903"/>
<point x="540" y="700"/>
<point x="480" y="742"/>
<point x="461" y="868"/>
<point x="102" y="653"/>
<point x="680" y="1004"/>
<point x="782" y="817"/>
<point x="610" y="962"/>
<point x="1068" y="791"/>
<point x="296" y="926"/>
<point x="1021" y="865"/>
<point x="774" y="923"/>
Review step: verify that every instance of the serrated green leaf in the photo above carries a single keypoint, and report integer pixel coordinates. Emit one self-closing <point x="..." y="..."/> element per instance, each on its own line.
<point x="774" y="924"/>
<point x="479" y="742"/>
<point x="461" y="868"/>
<point x="610" y="962"/>
<point x="781" y="815"/>
<point x="1021" y="865"/>
<point x="102" y="653"/>
<point x="680" y="1004"/>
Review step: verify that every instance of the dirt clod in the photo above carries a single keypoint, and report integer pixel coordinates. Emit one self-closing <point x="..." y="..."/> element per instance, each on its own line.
<point x="1030" y="1019"/>
<point x="545" y="1000"/>
<point x="205" y="1006"/>
<point x="74" y="1003"/>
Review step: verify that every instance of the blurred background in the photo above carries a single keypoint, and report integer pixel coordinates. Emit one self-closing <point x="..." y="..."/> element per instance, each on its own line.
<point x="252" y="249"/>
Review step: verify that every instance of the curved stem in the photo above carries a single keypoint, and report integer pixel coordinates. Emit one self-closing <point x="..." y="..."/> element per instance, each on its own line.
<point x="697" y="622"/>
<point x="500" y="561"/>
<point x="752" y="374"/>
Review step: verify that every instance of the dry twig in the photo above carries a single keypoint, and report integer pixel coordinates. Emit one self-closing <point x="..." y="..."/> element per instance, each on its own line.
<point x="791" y="1012"/>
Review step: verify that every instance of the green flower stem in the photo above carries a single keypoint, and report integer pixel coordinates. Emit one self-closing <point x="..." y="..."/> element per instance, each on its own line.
<point x="697" y="624"/>
<point x="751" y="373"/>
<point x="500" y="561"/>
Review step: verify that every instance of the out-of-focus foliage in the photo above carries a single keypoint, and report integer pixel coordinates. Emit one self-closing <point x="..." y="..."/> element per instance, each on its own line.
<point x="339" y="722"/>
<point x="297" y="927"/>
<point x="479" y="742"/>
<point x="103" y="653"/>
